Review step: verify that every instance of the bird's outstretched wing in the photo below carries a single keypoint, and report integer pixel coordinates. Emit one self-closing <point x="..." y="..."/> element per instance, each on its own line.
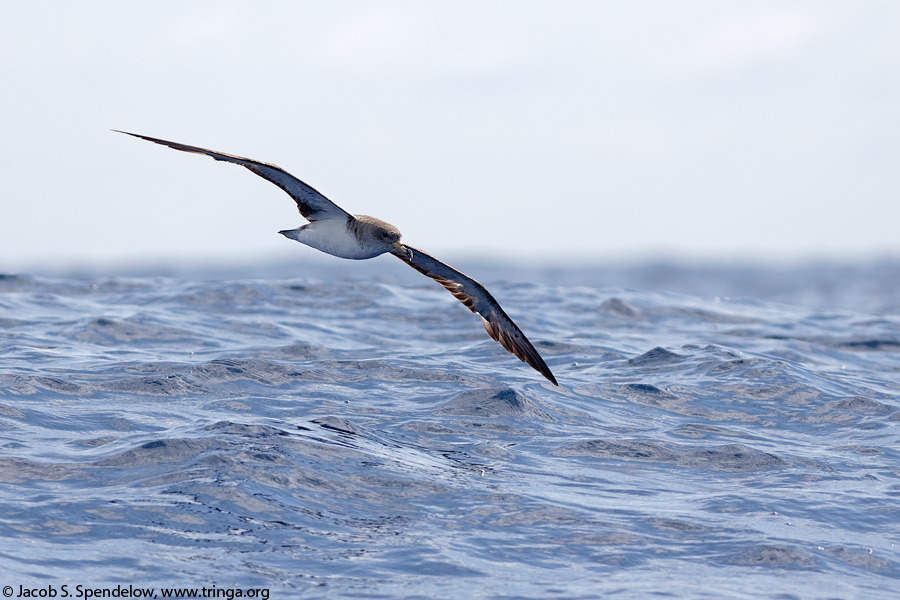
<point x="313" y="205"/>
<point x="472" y="294"/>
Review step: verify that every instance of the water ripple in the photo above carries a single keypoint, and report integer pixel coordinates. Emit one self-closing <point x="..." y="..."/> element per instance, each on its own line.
<point x="326" y="436"/>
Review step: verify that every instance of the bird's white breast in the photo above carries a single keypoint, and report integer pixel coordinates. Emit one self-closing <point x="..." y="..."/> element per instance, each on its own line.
<point x="331" y="236"/>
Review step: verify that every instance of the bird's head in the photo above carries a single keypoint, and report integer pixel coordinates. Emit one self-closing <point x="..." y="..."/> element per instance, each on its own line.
<point x="384" y="234"/>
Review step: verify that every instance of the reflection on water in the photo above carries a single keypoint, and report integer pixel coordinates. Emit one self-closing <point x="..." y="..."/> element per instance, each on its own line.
<point x="734" y="435"/>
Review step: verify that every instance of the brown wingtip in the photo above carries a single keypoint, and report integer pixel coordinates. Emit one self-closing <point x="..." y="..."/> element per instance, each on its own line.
<point x="537" y="363"/>
<point x="550" y="376"/>
<point x="174" y="145"/>
<point x="523" y="350"/>
<point x="137" y="135"/>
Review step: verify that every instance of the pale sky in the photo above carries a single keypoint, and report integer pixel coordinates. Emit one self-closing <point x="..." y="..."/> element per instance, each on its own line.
<point x="695" y="129"/>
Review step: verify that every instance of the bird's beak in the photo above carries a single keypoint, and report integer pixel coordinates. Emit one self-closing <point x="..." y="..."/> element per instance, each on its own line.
<point x="402" y="250"/>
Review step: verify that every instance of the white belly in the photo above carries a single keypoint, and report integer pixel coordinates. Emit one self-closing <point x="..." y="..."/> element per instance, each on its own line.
<point x="332" y="237"/>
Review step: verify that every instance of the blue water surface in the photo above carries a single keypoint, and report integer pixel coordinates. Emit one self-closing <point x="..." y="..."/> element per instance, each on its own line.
<point x="343" y="430"/>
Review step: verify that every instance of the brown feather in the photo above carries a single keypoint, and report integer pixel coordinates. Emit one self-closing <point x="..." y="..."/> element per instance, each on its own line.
<point x="476" y="298"/>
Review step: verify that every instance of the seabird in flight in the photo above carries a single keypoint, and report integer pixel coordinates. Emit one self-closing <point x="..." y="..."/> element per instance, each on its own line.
<point x="334" y="231"/>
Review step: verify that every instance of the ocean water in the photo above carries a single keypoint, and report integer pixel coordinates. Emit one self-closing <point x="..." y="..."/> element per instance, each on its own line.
<point x="344" y="430"/>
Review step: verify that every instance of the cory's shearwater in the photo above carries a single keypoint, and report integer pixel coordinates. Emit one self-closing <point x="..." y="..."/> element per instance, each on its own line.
<point x="334" y="231"/>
